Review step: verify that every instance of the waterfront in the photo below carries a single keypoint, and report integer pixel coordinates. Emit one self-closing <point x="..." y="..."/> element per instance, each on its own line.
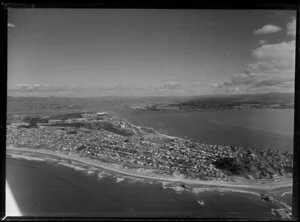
<point x="101" y="136"/>
<point x="70" y="190"/>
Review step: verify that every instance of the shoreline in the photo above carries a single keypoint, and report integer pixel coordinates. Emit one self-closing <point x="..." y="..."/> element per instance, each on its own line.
<point x="117" y="168"/>
<point x="280" y="208"/>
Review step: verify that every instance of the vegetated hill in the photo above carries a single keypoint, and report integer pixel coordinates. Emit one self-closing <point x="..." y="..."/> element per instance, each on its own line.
<point x="282" y="100"/>
<point x="257" y="168"/>
<point x="112" y="127"/>
<point x="108" y="122"/>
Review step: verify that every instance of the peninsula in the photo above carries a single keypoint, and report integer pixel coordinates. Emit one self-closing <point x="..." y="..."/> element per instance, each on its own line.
<point x="104" y="140"/>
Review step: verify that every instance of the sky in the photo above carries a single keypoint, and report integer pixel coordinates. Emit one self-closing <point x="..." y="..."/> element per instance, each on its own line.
<point x="149" y="52"/>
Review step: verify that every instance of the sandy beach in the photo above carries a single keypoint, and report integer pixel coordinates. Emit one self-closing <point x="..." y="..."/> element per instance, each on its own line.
<point x="284" y="183"/>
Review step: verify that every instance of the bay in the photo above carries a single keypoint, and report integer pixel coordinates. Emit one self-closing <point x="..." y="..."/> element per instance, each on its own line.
<point x="259" y="128"/>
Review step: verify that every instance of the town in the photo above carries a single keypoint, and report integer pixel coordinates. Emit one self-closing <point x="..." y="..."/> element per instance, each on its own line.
<point x="106" y="138"/>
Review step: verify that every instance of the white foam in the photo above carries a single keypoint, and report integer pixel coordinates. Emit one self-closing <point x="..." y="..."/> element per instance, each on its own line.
<point x="93" y="168"/>
<point x="50" y="159"/>
<point x="164" y="183"/>
<point x="16" y="156"/>
<point x="119" y="179"/>
<point x="135" y="180"/>
<point x="222" y="190"/>
<point x="72" y="166"/>
<point x="178" y="189"/>
<point x="90" y="172"/>
<point x="101" y="175"/>
<point x="238" y="191"/>
<point x="288" y="192"/>
<point x="201" y="190"/>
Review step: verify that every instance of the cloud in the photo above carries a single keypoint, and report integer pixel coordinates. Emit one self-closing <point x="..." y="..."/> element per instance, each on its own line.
<point x="273" y="66"/>
<point x="244" y="83"/>
<point x="183" y="87"/>
<point x="267" y="29"/>
<point x="272" y="69"/>
<point x="291" y="27"/>
<point x="39" y="88"/>
<point x="120" y="87"/>
<point x="11" y="25"/>
<point x="274" y="58"/>
<point x="262" y="41"/>
<point x="170" y="85"/>
<point x="166" y="86"/>
<point x="187" y="86"/>
<point x="172" y="88"/>
<point x="279" y="81"/>
<point x="252" y="80"/>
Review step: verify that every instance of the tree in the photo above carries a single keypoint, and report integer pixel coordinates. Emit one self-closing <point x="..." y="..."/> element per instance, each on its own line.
<point x="231" y="165"/>
<point x="32" y="120"/>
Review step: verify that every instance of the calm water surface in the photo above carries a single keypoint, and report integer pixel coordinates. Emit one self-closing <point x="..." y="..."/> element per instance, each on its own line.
<point x="260" y="128"/>
<point x="47" y="189"/>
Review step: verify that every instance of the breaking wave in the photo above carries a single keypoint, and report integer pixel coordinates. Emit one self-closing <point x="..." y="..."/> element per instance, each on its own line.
<point x="201" y="190"/>
<point x="178" y="189"/>
<point x="222" y="190"/>
<point x="136" y="180"/>
<point x="101" y="175"/>
<point x="16" y="156"/>
<point x="72" y="166"/>
<point x="165" y="184"/>
<point x="119" y="179"/>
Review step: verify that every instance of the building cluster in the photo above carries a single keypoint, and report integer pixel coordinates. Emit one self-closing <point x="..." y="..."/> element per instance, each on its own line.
<point x="171" y="156"/>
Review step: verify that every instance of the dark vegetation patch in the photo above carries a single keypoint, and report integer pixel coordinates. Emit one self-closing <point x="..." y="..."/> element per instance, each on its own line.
<point x="33" y="121"/>
<point x="67" y="116"/>
<point x="235" y="166"/>
<point x="80" y="148"/>
<point x="106" y="125"/>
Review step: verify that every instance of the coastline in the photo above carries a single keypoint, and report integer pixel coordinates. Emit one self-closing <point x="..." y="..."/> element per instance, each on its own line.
<point x="118" y="169"/>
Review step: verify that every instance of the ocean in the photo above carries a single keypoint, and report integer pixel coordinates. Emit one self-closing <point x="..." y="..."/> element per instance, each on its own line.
<point x="259" y="128"/>
<point x="44" y="188"/>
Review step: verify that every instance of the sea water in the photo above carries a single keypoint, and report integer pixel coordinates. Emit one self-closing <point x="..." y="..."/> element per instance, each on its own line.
<point x="44" y="188"/>
<point x="259" y="128"/>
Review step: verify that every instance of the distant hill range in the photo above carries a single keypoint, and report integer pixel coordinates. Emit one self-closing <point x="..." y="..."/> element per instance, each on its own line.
<point x="43" y="106"/>
<point x="254" y="101"/>
<point x="245" y="101"/>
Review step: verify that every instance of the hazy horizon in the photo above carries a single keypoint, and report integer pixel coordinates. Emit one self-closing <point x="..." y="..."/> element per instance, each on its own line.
<point x="149" y="52"/>
<point x="148" y="96"/>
